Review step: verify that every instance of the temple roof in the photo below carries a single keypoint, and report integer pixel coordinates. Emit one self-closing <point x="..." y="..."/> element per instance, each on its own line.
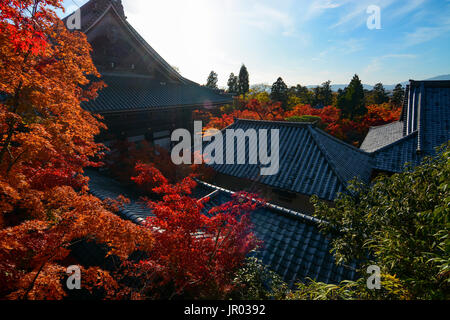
<point x="381" y="136"/>
<point x="129" y="92"/>
<point x="134" y="92"/>
<point x="312" y="162"/>
<point x="424" y="125"/>
<point x="293" y="245"/>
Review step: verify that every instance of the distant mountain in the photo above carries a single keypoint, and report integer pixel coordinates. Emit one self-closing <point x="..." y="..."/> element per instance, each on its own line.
<point x="388" y="87"/>
<point x="443" y="77"/>
<point x="336" y="87"/>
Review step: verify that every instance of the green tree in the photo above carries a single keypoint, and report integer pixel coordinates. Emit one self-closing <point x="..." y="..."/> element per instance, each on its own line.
<point x="233" y="84"/>
<point x="304" y="95"/>
<point x="377" y="96"/>
<point x="244" y="83"/>
<point x="401" y="224"/>
<point x="398" y="95"/>
<point x="279" y="92"/>
<point x="326" y="94"/>
<point x="352" y="104"/>
<point x="306" y="118"/>
<point x="212" y="80"/>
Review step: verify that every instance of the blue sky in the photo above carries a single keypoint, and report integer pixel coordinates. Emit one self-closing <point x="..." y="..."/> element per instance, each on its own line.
<point x="303" y="41"/>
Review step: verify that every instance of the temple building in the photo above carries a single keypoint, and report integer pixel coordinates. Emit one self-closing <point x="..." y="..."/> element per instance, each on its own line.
<point x="423" y="126"/>
<point x="145" y="96"/>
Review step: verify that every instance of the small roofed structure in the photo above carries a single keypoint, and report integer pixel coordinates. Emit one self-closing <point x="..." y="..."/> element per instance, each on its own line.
<point x="423" y="126"/>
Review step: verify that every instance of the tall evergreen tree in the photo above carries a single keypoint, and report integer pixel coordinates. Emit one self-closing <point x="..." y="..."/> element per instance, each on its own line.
<point x="340" y="99"/>
<point x="398" y="95"/>
<point x="327" y="94"/>
<point x="378" y="95"/>
<point x="303" y="93"/>
<point x="233" y="84"/>
<point x="244" y="83"/>
<point x="323" y="95"/>
<point x="352" y="104"/>
<point x="279" y="92"/>
<point x="212" y="80"/>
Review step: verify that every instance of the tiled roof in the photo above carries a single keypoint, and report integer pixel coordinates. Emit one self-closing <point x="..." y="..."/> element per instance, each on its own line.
<point x="395" y="156"/>
<point x="381" y="136"/>
<point x="131" y="92"/>
<point x="126" y="92"/>
<point x="293" y="246"/>
<point x="106" y="188"/>
<point x="423" y="126"/>
<point x="311" y="161"/>
<point x="93" y="11"/>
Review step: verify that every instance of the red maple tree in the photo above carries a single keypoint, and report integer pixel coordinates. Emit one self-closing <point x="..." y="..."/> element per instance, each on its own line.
<point x="195" y="254"/>
<point x="46" y="139"/>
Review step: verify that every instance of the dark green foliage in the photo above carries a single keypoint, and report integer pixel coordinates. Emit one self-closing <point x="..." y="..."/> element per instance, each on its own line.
<point x="323" y="96"/>
<point x="377" y="96"/>
<point x="398" y="95"/>
<point x="402" y="223"/>
<point x="305" y="95"/>
<point x="233" y="84"/>
<point x="279" y="92"/>
<point x="254" y="281"/>
<point x="391" y="289"/>
<point x="306" y="118"/>
<point x="244" y="82"/>
<point x="352" y="102"/>
<point x="212" y="80"/>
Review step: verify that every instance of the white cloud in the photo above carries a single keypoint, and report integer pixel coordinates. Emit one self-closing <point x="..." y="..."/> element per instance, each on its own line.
<point x="356" y="15"/>
<point x="378" y="63"/>
<point x="406" y="8"/>
<point x="425" y="34"/>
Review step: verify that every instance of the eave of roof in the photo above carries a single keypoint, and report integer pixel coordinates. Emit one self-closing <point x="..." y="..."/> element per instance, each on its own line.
<point x="137" y="93"/>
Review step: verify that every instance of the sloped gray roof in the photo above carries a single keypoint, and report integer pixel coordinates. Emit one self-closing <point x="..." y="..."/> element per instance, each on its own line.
<point x="131" y="92"/>
<point x="293" y="245"/>
<point x="128" y="92"/>
<point x="424" y="125"/>
<point x="395" y="156"/>
<point x="381" y="136"/>
<point x="311" y="161"/>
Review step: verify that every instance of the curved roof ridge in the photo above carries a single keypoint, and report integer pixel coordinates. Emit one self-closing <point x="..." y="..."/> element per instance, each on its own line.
<point x="112" y="6"/>
<point x="345" y="144"/>
<point x="292" y="213"/>
<point x="385" y="125"/>
<point x="327" y="156"/>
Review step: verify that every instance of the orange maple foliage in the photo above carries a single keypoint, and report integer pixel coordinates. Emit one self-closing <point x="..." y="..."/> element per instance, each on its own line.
<point x="46" y="139"/>
<point x="331" y="119"/>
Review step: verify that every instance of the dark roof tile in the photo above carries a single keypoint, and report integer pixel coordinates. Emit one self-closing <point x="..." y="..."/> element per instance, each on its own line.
<point x="311" y="161"/>
<point x="293" y="245"/>
<point x="127" y="92"/>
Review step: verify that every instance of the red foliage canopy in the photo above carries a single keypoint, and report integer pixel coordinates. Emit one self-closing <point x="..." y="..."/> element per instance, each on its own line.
<point x="195" y="255"/>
